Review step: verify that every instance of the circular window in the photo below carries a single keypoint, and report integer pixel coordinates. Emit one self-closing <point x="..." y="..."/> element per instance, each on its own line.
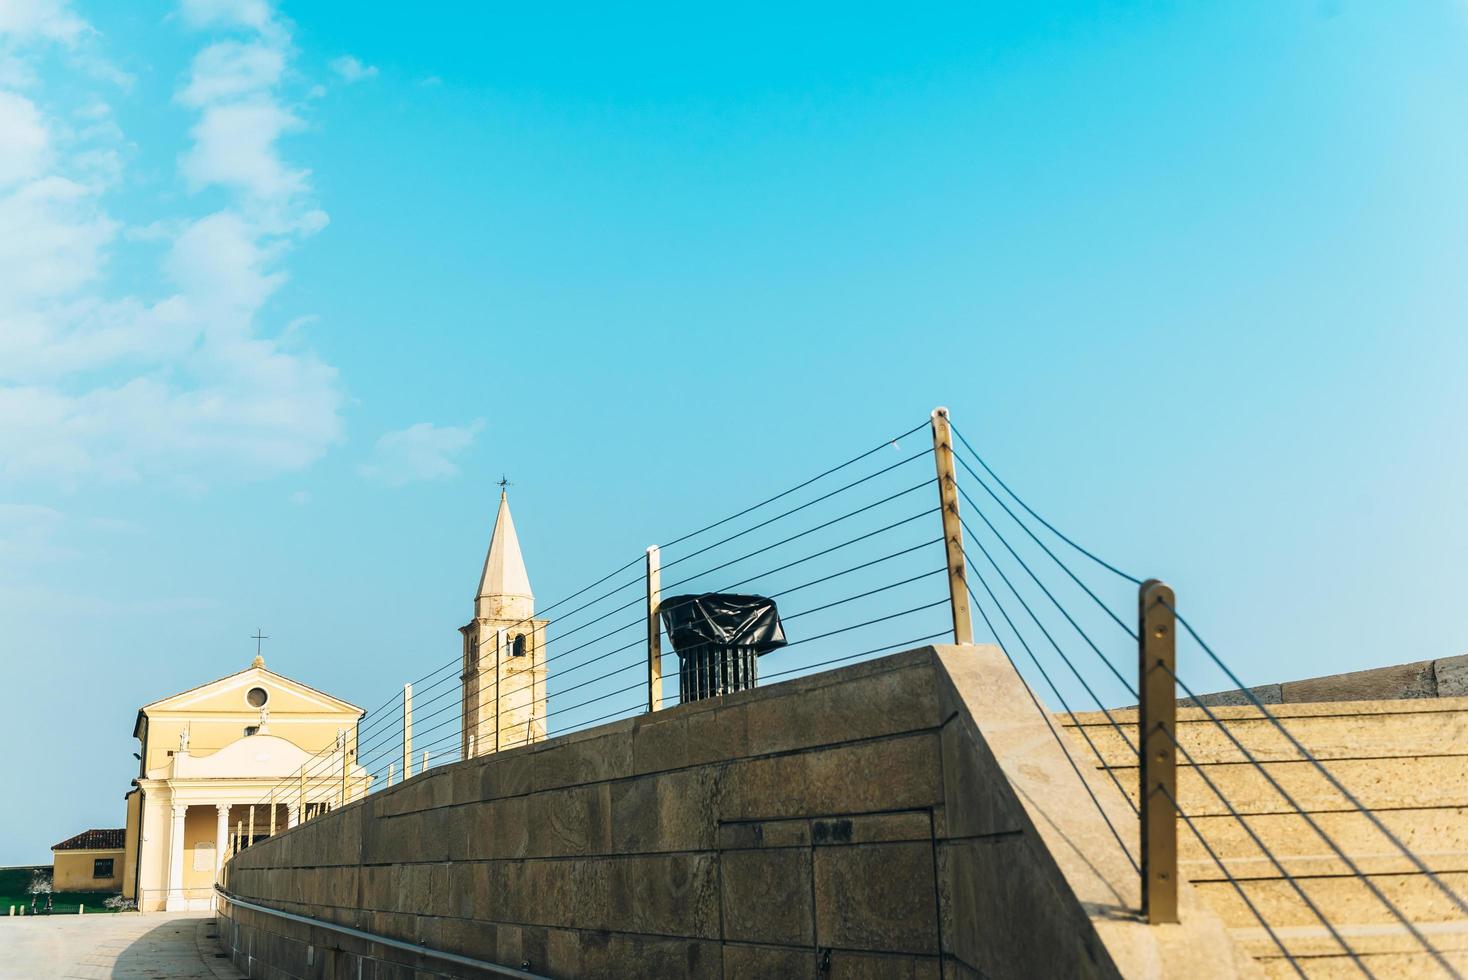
<point x="257" y="697"/>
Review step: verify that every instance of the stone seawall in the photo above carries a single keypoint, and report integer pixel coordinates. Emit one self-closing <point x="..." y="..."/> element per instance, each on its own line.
<point x="912" y="816"/>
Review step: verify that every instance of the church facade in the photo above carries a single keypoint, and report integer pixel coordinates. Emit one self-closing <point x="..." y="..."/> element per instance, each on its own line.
<point x="503" y="676"/>
<point x="225" y="764"/>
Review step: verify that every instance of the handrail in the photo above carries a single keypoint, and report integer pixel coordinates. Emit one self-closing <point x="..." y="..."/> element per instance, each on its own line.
<point x="504" y="971"/>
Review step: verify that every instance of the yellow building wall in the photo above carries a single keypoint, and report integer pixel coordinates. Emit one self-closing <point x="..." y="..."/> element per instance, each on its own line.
<point x="130" y="843"/>
<point x="72" y="871"/>
<point x="199" y="847"/>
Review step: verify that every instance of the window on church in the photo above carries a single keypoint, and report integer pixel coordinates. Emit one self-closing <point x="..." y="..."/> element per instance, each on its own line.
<point x="257" y="697"/>
<point x="518" y="650"/>
<point x="102" y="867"/>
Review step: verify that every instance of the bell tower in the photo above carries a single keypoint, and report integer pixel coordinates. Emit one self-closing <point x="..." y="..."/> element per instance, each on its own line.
<point x="503" y="679"/>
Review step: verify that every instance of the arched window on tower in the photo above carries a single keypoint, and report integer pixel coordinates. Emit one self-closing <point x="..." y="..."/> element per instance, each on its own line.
<point x="518" y="649"/>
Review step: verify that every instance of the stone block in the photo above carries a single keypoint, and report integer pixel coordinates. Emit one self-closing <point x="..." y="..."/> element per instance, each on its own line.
<point x="1003" y="918"/>
<point x="883" y="702"/>
<point x="602" y="753"/>
<point x="666" y="894"/>
<point x="764" y="833"/>
<point x="877" y="897"/>
<point x="873" y="828"/>
<point x="1451" y="675"/>
<point x="976" y="797"/>
<point x="902" y="772"/>
<point x="511" y="832"/>
<point x="1414" y="680"/>
<point x="767" y="896"/>
<point x="673" y="811"/>
<point x="743" y="962"/>
<point x="572" y="821"/>
<point x="659" y="742"/>
<point x="847" y="965"/>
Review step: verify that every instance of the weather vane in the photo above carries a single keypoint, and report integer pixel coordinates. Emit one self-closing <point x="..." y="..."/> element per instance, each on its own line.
<point x="504" y="483"/>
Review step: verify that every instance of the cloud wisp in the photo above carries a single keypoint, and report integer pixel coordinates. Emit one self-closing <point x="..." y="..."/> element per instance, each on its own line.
<point x="419" y="453"/>
<point x="183" y="379"/>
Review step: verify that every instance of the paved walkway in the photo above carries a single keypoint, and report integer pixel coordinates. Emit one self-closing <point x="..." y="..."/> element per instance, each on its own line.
<point x="156" y="946"/>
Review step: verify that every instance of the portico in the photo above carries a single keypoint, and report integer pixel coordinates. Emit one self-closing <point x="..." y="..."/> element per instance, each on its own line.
<point x="244" y="757"/>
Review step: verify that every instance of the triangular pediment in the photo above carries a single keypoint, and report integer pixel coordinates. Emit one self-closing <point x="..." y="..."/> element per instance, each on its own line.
<point x="228" y="695"/>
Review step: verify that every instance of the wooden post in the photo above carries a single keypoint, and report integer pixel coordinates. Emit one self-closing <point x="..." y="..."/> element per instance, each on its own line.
<point x="1157" y="731"/>
<point x="963" y="624"/>
<point x="407" y="730"/>
<point x="654" y="629"/>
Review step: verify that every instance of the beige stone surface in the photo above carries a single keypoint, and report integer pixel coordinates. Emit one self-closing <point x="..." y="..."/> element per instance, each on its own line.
<point x="1403" y="753"/>
<point x="913" y="816"/>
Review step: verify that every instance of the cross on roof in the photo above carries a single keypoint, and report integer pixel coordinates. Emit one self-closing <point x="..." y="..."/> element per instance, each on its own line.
<point x="503" y="482"/>
<point x="258" y="637"/>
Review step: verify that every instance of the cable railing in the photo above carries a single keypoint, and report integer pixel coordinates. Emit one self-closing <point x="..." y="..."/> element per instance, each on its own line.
<point x="1089" y="639"/>
<point x="861" y="563"/>
<point x="853" y="556"/>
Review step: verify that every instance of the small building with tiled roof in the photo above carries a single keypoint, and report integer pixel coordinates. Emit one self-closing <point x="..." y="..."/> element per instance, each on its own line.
<point x="89" y="862"/>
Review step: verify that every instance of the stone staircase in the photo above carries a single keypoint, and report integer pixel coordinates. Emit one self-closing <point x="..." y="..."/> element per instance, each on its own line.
<point x="1406" y="760"/>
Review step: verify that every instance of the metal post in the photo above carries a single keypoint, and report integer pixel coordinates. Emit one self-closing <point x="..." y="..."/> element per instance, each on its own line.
<point x="407" y="730"/>
<point x="963" y="624"/>
<point x="654" y="630"/>
<point x="1157" y="731"/>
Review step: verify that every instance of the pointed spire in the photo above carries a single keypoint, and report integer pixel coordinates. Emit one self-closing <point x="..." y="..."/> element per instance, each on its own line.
<point x="504" y="586"/>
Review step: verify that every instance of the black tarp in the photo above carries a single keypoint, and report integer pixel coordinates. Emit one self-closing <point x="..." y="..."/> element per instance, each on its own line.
<point x="722" y="619"/>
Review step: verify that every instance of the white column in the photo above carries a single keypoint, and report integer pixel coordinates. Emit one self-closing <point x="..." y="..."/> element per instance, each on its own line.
<point x="221" y="838"/>
<point x="292" y="815"/>
<point x="176" y="901"/>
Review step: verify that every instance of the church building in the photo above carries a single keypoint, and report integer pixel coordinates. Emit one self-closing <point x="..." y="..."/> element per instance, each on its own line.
<point x="226" y="764"/>
<point x="503" y="679"/>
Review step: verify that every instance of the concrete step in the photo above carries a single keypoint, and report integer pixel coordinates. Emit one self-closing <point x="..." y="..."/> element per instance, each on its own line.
<point x="1437" y="836"/>
<point x="1381" y="965"/>
<point x="1415" y="782"/>
<point x="1402" y="728"/>
<point x="1344" y="900"/>
<point x="1374" y="939"/>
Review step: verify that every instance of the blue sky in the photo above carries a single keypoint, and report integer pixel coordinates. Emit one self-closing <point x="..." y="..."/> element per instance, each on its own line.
<point x="284" y="289"/>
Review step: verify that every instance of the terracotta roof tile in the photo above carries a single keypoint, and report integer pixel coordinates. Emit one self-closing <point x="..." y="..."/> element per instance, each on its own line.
<point x="93" y="840"/>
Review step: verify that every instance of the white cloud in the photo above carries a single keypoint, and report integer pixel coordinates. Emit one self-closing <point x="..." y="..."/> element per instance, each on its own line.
<point x="420" y="452"/>
<point x="231" y="70"/>
<point x="352" y="70"/>
<point x="23" y="139"/>
<point x="33" y="20"/>
<point x="254" y="14"/>
<point x="234" y="146"/>
<point x="180" y="379"/>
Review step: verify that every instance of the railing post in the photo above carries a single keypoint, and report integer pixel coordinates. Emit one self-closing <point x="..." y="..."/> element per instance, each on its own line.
<point x="407" y="731"/>
<point x="251" y="839"/>
<point x="391" y="771"/>
<point x="341" y="741"/>
<point x="272" y="812"/>
<point x="963" y="624"/>
<point x="1157" y="733"/>
<point x="654" y="629"/>
<point x="301" y="796"/>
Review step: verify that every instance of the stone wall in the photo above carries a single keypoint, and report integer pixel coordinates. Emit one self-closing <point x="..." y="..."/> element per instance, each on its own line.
<point x="913" y="816"/>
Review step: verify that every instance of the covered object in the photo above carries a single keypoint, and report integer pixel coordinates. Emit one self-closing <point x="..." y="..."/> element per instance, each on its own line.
<point x="719" y="637"/>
